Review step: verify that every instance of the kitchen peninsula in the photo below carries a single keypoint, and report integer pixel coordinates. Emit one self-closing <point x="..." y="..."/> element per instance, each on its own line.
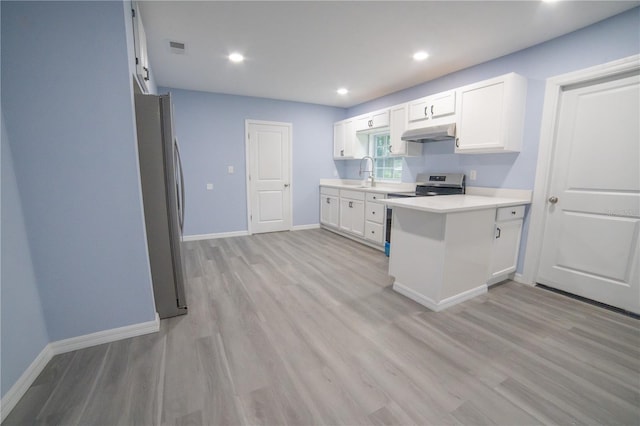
<point x="443" y="248"/>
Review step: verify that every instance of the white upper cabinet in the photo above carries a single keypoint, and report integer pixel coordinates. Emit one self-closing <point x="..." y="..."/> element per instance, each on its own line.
<point x="491" y="115"/>
<point x="140" y="47"/>
<point x="372" y="121"/>
<point x="430" y="108"/>
<point x="346" y="144"/>
<point x="397" y="126"/>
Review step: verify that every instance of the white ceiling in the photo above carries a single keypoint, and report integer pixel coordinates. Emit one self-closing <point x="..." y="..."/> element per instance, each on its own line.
<point x="304" y="50"/>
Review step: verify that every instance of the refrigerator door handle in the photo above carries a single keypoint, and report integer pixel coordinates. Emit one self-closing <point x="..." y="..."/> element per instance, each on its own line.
<point x="177" y="148"/>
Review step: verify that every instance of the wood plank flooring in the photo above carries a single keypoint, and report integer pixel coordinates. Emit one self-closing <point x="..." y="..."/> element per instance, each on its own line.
<point x="303" y="328"/>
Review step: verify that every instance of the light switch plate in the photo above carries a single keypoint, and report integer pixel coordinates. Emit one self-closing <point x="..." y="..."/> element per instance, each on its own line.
<point x="209" y="186"/>
<point x="473" y="175"/>
<point x="230" y="170"/>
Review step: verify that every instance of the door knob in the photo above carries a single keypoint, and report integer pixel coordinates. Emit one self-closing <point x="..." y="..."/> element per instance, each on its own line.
<point x="286" y="185"/>
<point x="553" y="200"/>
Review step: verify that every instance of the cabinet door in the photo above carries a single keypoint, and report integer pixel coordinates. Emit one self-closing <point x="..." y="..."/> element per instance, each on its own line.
<point x="397" y="126"/>
<point x="338" y="139"/>
<point x="491" y="115"/>
<point x="346" y="214"/>
<point x="419" y="110"/>
<point x="334" y="212"/>
<point x="328" y="204"/>
<point x="380" y="119"/>
<point x="362" y="122"/>
<point x="140" y="47"/>
<point x="442" y="104"/>
<point x="354" y="147"/>
<point x="481" y="117"/>
<point x="506" y="245"/>
<point x="357" y="218"/>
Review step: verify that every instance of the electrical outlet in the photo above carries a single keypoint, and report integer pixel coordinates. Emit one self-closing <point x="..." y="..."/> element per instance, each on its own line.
<point x="473" y="175"/>
<point x="230" y="170"/>
<point x="209" y="186"/>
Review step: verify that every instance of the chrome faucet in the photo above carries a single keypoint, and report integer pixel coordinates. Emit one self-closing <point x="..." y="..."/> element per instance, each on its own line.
<point x="370" y="171"/>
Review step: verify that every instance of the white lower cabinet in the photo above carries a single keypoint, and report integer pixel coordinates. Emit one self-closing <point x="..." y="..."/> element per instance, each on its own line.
<point x="357" y="214"/>
<point x="506" y="243"/>
<point x="330" y="207"/>
<point x="374" y="218"/>
<point x="352" y="212"/>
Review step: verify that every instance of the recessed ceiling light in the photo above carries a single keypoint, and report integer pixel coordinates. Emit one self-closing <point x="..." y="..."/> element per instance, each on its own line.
<point x="420" y="56"/>
<point x="342" y="91"/>
<point x="236" y="57"/>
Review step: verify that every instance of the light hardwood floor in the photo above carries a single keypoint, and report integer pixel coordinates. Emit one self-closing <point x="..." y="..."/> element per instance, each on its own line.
<point x="303" y="328"/>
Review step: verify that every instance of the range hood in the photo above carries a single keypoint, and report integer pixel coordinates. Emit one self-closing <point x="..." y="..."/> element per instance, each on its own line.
<point x="430" y="134"/>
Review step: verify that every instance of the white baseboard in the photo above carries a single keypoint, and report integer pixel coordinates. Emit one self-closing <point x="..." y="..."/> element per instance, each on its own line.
<point x="19" y="388"/>
<point x="305" y="227"/>
<point x="105" y="336"/>
<point x="214" y="236"/>
<point x="519" y="278"/>
<point x="17" y="391"/>
<point x="444" y="303"/>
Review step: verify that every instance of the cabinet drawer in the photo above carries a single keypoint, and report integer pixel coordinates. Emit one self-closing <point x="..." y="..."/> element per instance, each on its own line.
<point x="374" y="196"/>
<point x="353" y="195"/>
<point x="509" y="213"/>
<point x="374" y="212"/>
<point x="374" y="232"/>
<point x="329" y="191"/>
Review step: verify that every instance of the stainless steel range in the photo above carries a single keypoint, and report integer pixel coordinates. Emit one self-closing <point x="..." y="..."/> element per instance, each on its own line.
<point x="429" y="185"/>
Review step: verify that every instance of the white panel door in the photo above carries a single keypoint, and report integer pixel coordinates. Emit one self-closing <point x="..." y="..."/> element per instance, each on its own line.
<point x="269" y="153"/>
<point x="592" y="226"/>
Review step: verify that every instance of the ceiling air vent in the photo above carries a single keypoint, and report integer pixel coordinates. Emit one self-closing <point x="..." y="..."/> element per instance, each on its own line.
<point x="176" y="47"/>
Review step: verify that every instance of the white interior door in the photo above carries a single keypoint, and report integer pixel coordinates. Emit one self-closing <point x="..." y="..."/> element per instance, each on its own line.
<point x="269" y="176"/>
<point x="590" y="243"/>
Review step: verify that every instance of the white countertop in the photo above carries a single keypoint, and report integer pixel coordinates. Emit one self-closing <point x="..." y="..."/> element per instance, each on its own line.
<point x="455" y="203"/>
<point x="379" y="188"/>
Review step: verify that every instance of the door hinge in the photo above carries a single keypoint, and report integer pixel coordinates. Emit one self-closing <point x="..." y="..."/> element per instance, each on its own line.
<point x="250" y="217"/>
<point x="133" y="13"/>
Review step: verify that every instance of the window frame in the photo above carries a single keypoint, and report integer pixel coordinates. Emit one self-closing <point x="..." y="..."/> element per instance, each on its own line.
<point x="396" y="163"/>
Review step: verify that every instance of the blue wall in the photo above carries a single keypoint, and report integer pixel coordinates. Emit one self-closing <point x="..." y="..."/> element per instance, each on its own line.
<point x="211" y="131"/>
<point x="23" y="334"/>
<point x="608" y="40"/>
<point x="67" y="102"/>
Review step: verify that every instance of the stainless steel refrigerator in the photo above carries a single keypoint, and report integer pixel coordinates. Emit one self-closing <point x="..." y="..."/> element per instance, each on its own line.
<point x="163" y="197"/>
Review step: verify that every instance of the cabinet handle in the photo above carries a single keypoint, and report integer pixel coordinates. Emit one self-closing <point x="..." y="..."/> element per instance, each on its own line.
<point x="328" y="200"/>
<point x="146" y="72"/>
<point x="373" y="212"/>
<point x="350" y="204"/>
<point x="390" y="148"/>
<point x="370" y="123"/>
<point x="513" y="212"/>
<point x="431" y="110"/>
<point x="457" y="142"/>
<point x="375" y="198"/>
<point x="498" y="236"/>
<point x="342" y="153"/>
<point x="425" y="111"/>
<point x="373" y="232"/>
